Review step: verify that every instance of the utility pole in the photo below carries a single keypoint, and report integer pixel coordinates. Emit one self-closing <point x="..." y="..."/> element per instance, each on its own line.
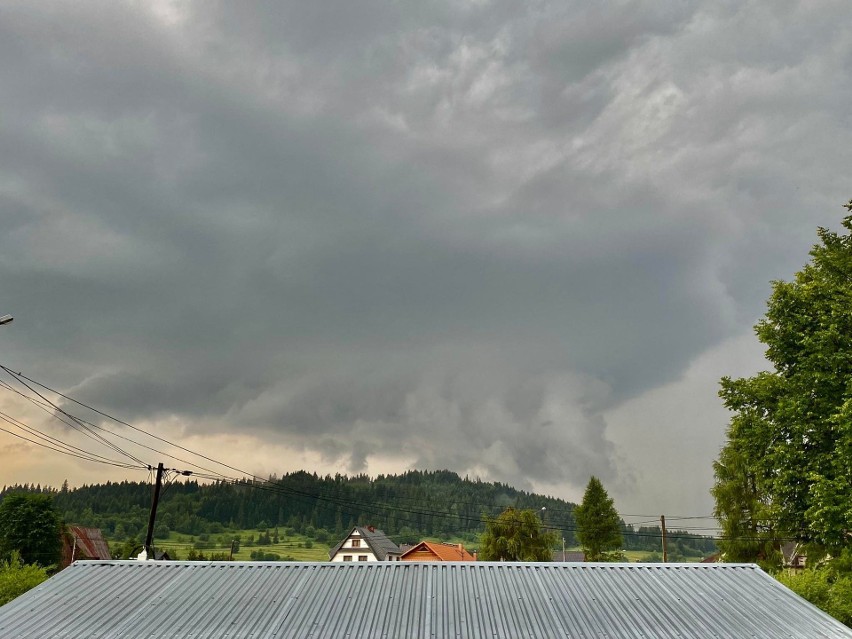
<point x="231" y="554"/>
<point x="149" y="538"/>
<point x="665" y="549"/>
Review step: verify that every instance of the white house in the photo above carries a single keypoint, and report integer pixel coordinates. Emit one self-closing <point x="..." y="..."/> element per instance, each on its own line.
<point x="365" y="543"/>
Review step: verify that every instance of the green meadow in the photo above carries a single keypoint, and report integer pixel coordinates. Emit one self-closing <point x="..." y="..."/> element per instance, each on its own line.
<point x="287" y="547"/>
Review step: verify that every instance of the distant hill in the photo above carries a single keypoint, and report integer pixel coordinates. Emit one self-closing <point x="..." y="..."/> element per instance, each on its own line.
<point x="408" y="507"/>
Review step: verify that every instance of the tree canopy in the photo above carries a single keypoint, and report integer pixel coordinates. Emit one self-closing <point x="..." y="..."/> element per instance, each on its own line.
<point x="30" y="526"/>
<point x="786" y="468"/>
<point x="598" y="524"/>
<point x="516" y="535"/>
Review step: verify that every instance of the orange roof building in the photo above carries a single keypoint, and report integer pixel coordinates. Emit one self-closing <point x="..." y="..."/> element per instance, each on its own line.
<point x="434" y="551"/>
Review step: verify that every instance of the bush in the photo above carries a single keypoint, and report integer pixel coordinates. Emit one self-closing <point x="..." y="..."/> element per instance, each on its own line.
<point x="652" y="558"/>
<point x="828" y="590"/>
<point x="16" y="577"/>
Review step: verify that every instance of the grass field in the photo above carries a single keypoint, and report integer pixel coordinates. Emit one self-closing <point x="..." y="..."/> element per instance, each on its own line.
<point x="293" y="546"/>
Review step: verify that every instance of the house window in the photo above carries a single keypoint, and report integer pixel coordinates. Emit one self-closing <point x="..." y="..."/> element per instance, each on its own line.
<point x="362" y="557"/>
<point x="356" y="543"/>
<point x="347" y="557"/>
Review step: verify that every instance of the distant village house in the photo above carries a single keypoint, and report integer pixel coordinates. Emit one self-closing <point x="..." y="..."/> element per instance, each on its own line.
<point x="79" y="542"/>
<point x="437" y="551"/>
<point x="365" y="543"/>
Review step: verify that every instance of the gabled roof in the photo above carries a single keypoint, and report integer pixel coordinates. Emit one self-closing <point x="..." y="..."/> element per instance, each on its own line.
<point x="377" y="541"/>
<point x="429" y="600"/>
<point x="90" y="542"/>
<point x="79" y="542"/>
<point x="443" y="551"/>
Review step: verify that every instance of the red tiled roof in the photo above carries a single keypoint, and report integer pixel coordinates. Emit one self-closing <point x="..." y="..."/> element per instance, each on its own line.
<point x="441" y="551"/>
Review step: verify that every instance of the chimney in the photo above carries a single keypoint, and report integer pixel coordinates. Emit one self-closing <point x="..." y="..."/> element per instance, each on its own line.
<point x="371" y="528"/>
<point x="474" y="555"/>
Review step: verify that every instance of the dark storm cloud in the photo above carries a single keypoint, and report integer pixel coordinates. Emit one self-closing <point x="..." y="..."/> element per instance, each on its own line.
<point x="368" y="229"/>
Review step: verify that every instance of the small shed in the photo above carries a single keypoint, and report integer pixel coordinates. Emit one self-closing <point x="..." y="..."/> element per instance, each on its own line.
<point x="80" y="542"/>
<point x="411" y="600"/>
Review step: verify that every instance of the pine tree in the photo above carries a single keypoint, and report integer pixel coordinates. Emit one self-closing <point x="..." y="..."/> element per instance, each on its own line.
<point x="598" y="525"/>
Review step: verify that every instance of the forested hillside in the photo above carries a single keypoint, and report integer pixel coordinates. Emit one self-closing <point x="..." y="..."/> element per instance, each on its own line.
<point x="408" y="507"/>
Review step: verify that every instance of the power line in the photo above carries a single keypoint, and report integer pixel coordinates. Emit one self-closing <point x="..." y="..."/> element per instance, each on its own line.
<point x="215" y="461"/>
<point x="59" y="450"/>
<point x="56" y="442"/>
<point x="42" y="406"/>
<point x="344" y="505"/>
<point x="123" y="423"/>
<point x="85" y="429"/>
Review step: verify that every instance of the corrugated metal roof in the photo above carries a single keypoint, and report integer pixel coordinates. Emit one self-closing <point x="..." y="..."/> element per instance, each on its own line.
<point x="132" y="600"/>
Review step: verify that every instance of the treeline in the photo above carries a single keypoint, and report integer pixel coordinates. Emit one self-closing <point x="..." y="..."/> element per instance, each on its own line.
<point x="408" y="507"/>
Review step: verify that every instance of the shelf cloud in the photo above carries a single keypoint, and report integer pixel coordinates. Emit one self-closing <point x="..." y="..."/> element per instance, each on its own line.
<point x="447" y="234"/>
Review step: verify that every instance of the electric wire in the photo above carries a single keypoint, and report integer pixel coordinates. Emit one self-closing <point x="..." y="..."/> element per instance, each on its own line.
<point x="123" y="423"/>
<point x="43" y="406"/>
<point x="64" y="452"/>
<point x="344" y="505"/>
<point x="54" y="441"/>
<point x="223" y="464"/>
<point x="85" y="429"/>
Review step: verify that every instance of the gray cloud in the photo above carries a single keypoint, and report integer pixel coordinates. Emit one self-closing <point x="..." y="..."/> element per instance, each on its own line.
<point x="456" y="234"/>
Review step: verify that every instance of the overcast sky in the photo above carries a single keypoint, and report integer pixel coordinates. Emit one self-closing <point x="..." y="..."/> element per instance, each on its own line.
<point x="518" y="240"/>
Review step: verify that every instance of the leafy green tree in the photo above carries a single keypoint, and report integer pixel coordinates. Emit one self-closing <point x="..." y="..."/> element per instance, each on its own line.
<point x="30" y="525"/>
<point x="785" y="469"/>
<point x="16" y="577"/>
<point x="598" y="524"/>
<point x="828" y="586"/>
<point x="516" y="535"/>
